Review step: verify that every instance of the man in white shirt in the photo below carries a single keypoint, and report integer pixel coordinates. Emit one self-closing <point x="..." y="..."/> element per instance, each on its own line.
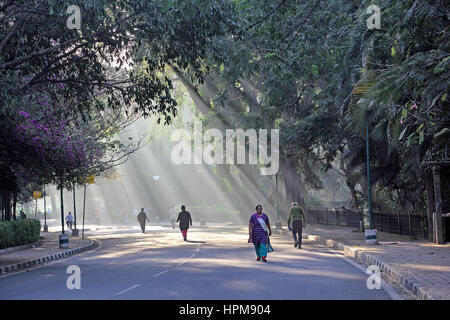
<point x="69" y="220"/>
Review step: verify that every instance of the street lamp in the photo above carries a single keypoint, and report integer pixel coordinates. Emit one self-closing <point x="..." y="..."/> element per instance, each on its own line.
<point x="277" y="205"/>
<point x="75" y="230"/>
<point x="45" y="213"/>
<point x="371" y="234"/>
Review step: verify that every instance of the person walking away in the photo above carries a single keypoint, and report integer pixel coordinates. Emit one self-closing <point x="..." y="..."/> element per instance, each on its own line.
<point x="172" y="216"/>
<point x="297" y="218"/>
<point x="185" y="220"/>
<point x="259" y="230"/>
<point x="69" y="220"/>
<point x="141" y="217"/>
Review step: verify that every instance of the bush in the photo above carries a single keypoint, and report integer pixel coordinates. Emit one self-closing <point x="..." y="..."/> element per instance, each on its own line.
<point x="16" y="233"/>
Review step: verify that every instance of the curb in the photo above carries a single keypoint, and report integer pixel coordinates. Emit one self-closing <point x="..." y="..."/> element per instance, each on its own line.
<point x="31" y="263"/>
<point x="406" y="282"/>
<point x="21" y="247"/>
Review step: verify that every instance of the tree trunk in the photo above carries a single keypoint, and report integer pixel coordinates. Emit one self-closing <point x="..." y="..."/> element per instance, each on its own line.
<point x="2" y="206"/>
<point x="351" y="187"/>
<point x="8" y="207"/>
<point x="14" y="206"/>
<point x="292" y="181"/>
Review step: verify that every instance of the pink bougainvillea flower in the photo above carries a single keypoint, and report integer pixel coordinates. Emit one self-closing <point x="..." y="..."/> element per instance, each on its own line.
<point x="401" y="121"/>
<point x="23" y="113"/>
<point x="414" y="106"/>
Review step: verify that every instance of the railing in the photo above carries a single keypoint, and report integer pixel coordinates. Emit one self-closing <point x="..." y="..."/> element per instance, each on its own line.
<point x="404" y="223"/>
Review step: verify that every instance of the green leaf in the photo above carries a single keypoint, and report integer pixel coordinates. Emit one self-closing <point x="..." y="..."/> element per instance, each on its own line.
<point x="403" y="133"/>
<point x="393" y="52"/>
<point x="421" y="137"/>
<point x="440" y="133"/>
<point x="270" y="55"/>
<point x="404" y="113"/>
<point x="314" y="69"/>
<point x="444" y="64"/>
<point x="444" y="97"/>
<point x="419" y="128"/>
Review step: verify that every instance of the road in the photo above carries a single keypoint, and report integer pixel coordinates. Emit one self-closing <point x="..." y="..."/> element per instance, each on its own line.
<point x="216" y="263"/>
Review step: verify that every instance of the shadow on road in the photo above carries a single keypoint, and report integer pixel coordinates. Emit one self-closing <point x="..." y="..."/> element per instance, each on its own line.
<point x="195" y="241"/>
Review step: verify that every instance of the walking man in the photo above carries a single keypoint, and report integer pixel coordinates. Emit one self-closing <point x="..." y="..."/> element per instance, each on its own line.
<point x="297" y="218"/>
<point x="142" y="216"/>
<point x="185" y="220"/>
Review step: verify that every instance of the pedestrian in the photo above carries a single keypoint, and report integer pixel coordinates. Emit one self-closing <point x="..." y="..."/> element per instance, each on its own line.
<point x="297" y="218"/>
<point x="141" y="217"/>
<point x="172" y="216"/>
<point x="69" y="220"/>
<point x="259" y="231"/>
<point x="185" y="220"/>
<point x="22" y="215"/>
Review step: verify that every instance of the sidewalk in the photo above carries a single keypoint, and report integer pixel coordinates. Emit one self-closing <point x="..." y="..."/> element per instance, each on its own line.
<point x="421" y="267"/>
<point x="47" y="249"/>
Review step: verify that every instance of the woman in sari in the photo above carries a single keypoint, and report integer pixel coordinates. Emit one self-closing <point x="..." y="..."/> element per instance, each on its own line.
<point x="259" y="230"/>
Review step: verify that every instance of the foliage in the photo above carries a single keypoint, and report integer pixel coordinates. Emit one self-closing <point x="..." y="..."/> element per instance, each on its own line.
<point x="19" y="232"/>
<point x="314" y="70"/>
<point x="65" y="94"/>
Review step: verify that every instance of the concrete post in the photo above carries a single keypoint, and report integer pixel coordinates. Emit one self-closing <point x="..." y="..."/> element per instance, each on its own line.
<point x="430" y="204"/>
<point x="437" y="216"/>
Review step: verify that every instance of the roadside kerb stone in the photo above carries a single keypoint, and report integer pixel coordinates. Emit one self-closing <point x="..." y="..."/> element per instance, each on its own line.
<point x="26" y="264"/>
<point x="406" y="282"/>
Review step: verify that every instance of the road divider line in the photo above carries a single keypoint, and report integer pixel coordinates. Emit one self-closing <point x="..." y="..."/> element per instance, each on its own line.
<point x="129" y="289"/>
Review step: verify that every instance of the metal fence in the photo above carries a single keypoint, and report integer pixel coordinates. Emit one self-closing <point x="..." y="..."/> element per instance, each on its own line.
<point x="404" y="223"/>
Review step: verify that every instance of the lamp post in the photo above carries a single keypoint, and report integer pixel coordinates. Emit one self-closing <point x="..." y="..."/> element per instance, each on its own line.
<point x="84" y="207"/>
<point x="45" y="213"/>
<point x="63" y="238"/>
<point x="371" y="234"/>
<point x="277" y="205"/>
<point x="75" y="230"/>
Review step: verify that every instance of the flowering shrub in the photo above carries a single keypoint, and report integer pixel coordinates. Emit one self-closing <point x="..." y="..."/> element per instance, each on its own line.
<point x="54" y="145"/>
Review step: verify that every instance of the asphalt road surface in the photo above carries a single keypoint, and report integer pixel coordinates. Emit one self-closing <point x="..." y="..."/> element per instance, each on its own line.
<point x="216" y="263"/>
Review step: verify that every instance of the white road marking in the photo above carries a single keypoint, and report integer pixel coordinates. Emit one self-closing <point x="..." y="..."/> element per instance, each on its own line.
<point x="181" y="263"/>
<point x="159" y="274"/>
<point x="193" y="255"/>
<point x="129" y="289"/>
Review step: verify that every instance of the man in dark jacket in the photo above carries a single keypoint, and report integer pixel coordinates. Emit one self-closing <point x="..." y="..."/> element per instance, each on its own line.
<point x="185" y="219"/>
<point x="297" y="218"/>
<point x="142" y="216"/>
